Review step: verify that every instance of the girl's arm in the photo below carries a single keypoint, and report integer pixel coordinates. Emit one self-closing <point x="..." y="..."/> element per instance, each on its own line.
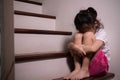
<point x="78" y="39"/>
<point x="76" y="45"/>
<point x="97" y="44"/>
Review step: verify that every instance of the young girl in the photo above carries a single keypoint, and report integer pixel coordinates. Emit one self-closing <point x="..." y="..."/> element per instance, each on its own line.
<point x="90" y="47"/>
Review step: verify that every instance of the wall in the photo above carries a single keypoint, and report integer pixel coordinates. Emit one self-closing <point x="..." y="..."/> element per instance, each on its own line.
<point x="108" y="13"/>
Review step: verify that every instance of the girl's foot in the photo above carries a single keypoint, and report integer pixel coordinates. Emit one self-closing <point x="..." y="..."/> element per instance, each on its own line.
<point x="69" y="76"/>
<point x="80" y="75"/>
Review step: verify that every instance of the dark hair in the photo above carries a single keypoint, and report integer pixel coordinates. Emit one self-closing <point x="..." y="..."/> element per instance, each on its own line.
<point x="85" y="20"/>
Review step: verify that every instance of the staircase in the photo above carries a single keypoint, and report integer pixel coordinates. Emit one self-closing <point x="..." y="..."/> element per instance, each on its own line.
<point x="40" y="50"/>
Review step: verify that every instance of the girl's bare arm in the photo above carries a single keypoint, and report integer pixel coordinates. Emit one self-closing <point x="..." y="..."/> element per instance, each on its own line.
<point x="78" y="39"/>
<point x="97" y="44"/>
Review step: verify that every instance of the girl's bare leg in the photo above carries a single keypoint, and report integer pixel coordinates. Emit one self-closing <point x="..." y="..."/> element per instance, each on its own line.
<point x="77" y="66"/>
<point x="84" y="72"/>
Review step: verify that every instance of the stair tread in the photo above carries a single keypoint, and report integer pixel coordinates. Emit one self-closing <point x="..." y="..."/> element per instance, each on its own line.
<point x="107" y="76"/>
<point x="31" y="2"/>
<point x="38" y="56"/>
<point x="33" y="14"/>
<point x="35" y="31"/>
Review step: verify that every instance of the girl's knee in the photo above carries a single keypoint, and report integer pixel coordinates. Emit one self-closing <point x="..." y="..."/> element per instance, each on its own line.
<point x="88" y="38"/>
<point x="88" y="34"/>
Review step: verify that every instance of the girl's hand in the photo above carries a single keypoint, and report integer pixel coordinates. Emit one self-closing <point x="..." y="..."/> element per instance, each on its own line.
<point x="79" y="49"/>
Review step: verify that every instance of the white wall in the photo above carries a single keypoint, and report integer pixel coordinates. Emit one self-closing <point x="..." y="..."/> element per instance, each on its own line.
<point x="108" y="13"/>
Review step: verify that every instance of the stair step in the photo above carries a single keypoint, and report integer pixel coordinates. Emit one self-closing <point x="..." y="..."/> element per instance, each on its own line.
<point x="29" y="22"/>
<point x="34" y="31"/>
<point x="31" y="2"/>
<point x="22" y="6"/>
<point x="33" y="14"/>
<point x="107" y="76"/>
<point x="38" y="56"/>
<point x="28" y="43"/>
<point x="41" y="69"/>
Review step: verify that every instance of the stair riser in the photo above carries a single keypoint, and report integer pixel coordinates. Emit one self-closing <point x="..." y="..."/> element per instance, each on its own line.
<point x="28" y="43"/>
<point x="41" y="70"/>
<point x="29" y="22"/>
<point x="27" y="7"/>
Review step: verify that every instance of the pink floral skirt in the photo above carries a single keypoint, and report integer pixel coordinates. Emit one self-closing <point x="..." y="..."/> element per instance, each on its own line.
<point x="99" y="64"/>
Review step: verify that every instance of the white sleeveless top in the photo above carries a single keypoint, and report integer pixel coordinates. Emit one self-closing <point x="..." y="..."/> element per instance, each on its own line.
<point x="101" y="35"/>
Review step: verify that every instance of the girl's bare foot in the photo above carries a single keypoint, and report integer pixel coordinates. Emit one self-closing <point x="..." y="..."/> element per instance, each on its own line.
<point x="69" y="76"/>
<point x="80" y="75"/>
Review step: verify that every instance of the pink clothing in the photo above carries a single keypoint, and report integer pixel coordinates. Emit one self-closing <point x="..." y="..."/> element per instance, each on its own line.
<point x="99" y="64"/>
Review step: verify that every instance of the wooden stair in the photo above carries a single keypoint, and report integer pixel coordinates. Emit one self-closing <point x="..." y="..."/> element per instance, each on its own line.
<point x="39" y="56"/>
<point x="107" y="76"/>
<point x="34" y="31"/>
<point x="31" y="2"/>
<point x="33" y="14"/>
